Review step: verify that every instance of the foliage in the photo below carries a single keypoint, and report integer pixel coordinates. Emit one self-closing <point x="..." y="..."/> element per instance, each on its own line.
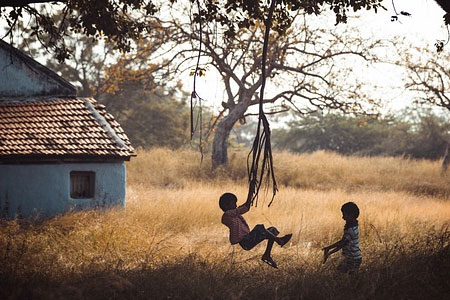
<point x="84" y="69"/>
<point x="445" y="5"/>
<point x="148" y="110"/>
<point x="430" y="137"/>
<point x="237" y="14"/>
<point x="149" y="117"/>
<point x="120" y="22"/>
<point x="423" y="137"/>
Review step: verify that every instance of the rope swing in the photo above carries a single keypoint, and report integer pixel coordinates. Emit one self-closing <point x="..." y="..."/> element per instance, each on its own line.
<point x="261" y="144"/>
<point x="259" y="166"/>
<point x="195" y="95"/>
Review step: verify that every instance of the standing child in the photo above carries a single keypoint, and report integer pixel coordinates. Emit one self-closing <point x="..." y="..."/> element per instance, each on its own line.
<point x="240" y="232"/>
<point x="349" y="242"/>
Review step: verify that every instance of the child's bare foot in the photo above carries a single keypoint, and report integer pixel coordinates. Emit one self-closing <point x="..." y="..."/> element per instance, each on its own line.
<point x="268" y="260"/>
<point x="285" y="239"/>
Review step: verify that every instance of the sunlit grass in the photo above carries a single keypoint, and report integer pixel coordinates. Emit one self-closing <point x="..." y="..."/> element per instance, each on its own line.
<point x="169" y="238"/>
<point x="319" y="171"/>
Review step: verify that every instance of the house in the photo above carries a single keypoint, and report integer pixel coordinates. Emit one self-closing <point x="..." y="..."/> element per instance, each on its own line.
<point x="58" y="152"/>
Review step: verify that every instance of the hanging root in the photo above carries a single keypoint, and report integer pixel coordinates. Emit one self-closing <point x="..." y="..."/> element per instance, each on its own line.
<point x="261" y="144"/>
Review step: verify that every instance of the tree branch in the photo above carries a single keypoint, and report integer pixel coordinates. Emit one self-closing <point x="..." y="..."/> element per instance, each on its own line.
<point x="18" y="3"/>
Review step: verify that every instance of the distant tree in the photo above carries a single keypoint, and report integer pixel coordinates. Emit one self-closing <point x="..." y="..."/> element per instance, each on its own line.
<point x="86" y="65"/>
<point x="428" y="75"/>
<point x="149" y="117"/>
<point x="431" y="136"/>
<point x="302" y="69"/>
<point x="151" y="107"/>
<point x="421" y="136"/>
<point x="335" y="132"/>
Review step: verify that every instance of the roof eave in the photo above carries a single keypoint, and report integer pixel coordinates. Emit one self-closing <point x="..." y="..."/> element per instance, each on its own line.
<point x="18" y="159"/>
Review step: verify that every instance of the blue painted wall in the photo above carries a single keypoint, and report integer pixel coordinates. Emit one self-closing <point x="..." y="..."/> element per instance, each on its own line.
<point x="44" y="189"/>
<point x="24" y="77"/>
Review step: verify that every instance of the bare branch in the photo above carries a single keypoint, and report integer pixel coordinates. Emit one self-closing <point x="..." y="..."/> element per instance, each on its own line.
<point x="19" y="3"/>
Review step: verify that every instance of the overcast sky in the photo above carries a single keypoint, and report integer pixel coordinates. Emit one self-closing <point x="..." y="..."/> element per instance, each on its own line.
<point x="422" y="29"/>
<point x="425" y="21"/>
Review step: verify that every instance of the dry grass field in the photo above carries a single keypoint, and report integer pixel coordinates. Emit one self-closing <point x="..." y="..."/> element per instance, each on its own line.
<point x="169" y="244"/>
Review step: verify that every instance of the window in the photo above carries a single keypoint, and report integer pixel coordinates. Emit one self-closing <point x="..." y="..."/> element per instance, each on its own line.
<point x="82" y="184"/>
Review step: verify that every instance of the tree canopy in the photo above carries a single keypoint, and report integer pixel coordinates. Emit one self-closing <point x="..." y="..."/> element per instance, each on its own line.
<point x="123" y="21"/>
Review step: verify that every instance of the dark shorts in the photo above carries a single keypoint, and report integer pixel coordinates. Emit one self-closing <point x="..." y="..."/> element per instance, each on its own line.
<point x="256" y="236"/>
<point x="349" y="265"/>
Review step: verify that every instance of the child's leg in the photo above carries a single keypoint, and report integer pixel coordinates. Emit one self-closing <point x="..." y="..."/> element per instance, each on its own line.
<point x="260" y="233"/>
<point x="273" y="230"/>
<point x="271" y="235"/>
<point x="267" y="258"/>
<point x="269" y="246"/>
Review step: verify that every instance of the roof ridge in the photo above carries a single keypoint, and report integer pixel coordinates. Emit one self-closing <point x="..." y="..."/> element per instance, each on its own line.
<point x="105" y="124"/>
<point x="45" y="99"/>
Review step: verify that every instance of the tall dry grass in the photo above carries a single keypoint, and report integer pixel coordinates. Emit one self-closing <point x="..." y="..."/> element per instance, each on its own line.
<point x="319" y="171"/>
<point x="169" y="243"/>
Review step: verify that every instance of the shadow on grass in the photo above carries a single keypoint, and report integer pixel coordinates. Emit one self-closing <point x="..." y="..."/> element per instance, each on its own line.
<point x="405" y="277"/>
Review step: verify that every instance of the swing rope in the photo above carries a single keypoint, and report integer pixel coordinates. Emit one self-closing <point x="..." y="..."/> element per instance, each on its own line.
<point x="262" y="144"/>
<point x="194" y="94"/>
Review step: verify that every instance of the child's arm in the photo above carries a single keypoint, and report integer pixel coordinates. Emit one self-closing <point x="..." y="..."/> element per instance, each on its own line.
<point x="251" y="190"/>
<point x="337" y="244"/>
<point x="333" y="248"/>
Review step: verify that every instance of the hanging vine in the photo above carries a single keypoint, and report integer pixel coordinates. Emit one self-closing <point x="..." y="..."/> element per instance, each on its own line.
<point x="195" y="98"/>
<point x="261" y="153"/>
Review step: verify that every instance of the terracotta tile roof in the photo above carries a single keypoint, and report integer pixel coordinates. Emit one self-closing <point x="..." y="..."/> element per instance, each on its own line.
<point x="69" y="128"/>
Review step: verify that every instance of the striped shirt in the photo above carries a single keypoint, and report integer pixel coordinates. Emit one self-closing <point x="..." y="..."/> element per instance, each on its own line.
<point x="236" y="223"/>
<point x="351" y="249"/>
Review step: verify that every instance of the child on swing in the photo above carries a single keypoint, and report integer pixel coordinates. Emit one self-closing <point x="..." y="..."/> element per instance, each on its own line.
<point x="240" y="232"/>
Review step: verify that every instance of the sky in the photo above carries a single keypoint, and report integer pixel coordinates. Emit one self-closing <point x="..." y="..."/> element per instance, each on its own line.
<point x="423" y="28"/>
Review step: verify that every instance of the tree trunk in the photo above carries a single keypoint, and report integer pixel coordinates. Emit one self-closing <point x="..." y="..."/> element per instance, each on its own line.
<point x="445" y="5"/>
<point x="220" y="144"/>
<point x="446" y="159"/>
<point x="223" y="130"/>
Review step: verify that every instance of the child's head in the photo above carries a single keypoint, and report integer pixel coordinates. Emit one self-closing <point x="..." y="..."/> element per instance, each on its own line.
<point x="227" y="201"/>
<point x="350" y="211"/>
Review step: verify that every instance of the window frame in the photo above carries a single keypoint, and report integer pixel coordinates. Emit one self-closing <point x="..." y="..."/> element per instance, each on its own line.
<point x="87" y="192"/>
